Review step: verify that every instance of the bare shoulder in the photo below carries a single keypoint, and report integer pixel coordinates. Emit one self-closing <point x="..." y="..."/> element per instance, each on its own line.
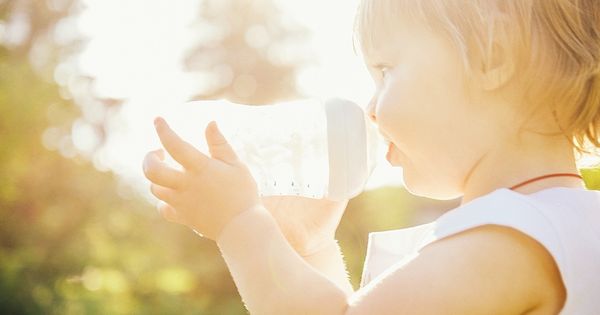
<point x="514" y="262"/>
<point x="489" y="269"/>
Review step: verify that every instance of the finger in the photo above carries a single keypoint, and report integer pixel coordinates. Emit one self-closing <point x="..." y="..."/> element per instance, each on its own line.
<point x="183" y="152"/>
<point x="218" y="146"/>
<point x="163" y="193"/>
<point x="160" y="153"/>
<point x="167" y="212"/>
<point x="160" y="173"/>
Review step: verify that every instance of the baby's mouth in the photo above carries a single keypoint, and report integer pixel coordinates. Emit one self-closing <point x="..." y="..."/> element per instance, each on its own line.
<point x="389" y="151"/>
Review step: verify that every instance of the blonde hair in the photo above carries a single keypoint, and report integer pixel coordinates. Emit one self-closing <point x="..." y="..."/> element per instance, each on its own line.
<point x="555" y="45"/>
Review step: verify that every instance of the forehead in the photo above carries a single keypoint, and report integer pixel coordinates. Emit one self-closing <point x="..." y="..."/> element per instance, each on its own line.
<point x="382" y="27"/>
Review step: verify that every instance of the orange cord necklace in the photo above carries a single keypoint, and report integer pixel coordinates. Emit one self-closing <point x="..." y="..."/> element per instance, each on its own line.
<point x="545" y="176"/>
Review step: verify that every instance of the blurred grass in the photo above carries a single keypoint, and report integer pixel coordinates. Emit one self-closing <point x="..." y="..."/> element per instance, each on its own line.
<point x="591" y="177"/>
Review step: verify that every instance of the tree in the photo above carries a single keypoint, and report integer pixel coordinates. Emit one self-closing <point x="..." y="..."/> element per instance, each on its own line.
<point x="248" y="51"/>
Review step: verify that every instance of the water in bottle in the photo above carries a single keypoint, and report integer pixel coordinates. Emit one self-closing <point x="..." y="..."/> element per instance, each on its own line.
<point x="317" y="148"/>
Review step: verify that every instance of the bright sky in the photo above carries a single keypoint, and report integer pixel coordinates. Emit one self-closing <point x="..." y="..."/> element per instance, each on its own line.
<point x="136" y="50"/>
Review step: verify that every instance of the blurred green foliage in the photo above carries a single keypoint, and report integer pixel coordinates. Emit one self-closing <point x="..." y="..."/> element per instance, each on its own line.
<point x="70" y="244"/>
<point x="591" y="177"/>
<point x="73" y="240"/>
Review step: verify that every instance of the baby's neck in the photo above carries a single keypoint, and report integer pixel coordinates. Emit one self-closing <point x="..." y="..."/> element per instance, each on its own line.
<point x="511" y="164"/>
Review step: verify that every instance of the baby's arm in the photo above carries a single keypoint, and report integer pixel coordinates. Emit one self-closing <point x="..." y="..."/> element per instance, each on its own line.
<point x="271" y="277"/>
<point x="330" y="262"/>
<point x="481" y="271"/>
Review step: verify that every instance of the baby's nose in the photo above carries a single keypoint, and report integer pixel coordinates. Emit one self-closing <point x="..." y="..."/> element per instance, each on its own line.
<point x="372" y="117"/>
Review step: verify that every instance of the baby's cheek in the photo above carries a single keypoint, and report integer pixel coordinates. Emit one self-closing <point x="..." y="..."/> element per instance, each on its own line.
<point x="396" y="124"/>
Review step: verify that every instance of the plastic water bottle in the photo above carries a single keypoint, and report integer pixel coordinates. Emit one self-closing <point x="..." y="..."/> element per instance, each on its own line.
<point x="317" y="148"/>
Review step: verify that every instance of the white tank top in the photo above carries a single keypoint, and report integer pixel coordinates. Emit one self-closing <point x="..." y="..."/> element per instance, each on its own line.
<point x="566" y="221"/>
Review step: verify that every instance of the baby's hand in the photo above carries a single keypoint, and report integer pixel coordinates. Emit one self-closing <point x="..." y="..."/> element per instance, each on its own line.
<point x="208" y="192"/>
<point x="308" y="224"/>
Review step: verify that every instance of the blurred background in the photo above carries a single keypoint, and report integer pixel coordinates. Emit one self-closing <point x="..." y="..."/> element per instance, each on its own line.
<point x="81" y="81"/>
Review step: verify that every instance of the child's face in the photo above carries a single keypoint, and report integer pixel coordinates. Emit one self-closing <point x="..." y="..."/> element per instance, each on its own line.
<point x="421" y="106"/>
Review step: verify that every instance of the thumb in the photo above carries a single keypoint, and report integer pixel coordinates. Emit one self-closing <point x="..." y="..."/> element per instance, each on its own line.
<point x="218" y="146"/>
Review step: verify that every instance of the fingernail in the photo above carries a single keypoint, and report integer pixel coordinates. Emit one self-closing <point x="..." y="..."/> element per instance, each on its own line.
<point x="216" y="126"/>
<point x="160" y="153"/>
<point x="158" y="121"/>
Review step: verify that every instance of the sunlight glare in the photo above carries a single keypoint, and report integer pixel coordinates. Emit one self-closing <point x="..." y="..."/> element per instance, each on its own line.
<point x="137" y="57"/>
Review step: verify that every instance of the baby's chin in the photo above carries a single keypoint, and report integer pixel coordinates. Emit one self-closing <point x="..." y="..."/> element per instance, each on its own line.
<point x="394" y="156"/>
<point x="432" y="188"/>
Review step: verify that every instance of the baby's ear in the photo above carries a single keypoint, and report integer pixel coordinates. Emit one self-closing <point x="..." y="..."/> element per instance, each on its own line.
<point x="497" y="65"/>
<point x="499" y="71"/>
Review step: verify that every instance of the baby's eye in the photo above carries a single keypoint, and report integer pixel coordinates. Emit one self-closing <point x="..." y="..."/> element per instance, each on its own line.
<point x="383" y="70"/>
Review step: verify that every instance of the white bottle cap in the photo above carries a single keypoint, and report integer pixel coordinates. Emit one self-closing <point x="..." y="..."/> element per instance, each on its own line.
<point x="352" y="148"/>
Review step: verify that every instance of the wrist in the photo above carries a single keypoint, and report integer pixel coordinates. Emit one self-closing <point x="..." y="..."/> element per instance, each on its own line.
<point x="315" y="249"/>
<point x="240" y="220"/>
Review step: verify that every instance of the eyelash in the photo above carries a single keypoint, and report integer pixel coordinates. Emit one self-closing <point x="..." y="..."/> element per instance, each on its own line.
<point x="382" y="69"/>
